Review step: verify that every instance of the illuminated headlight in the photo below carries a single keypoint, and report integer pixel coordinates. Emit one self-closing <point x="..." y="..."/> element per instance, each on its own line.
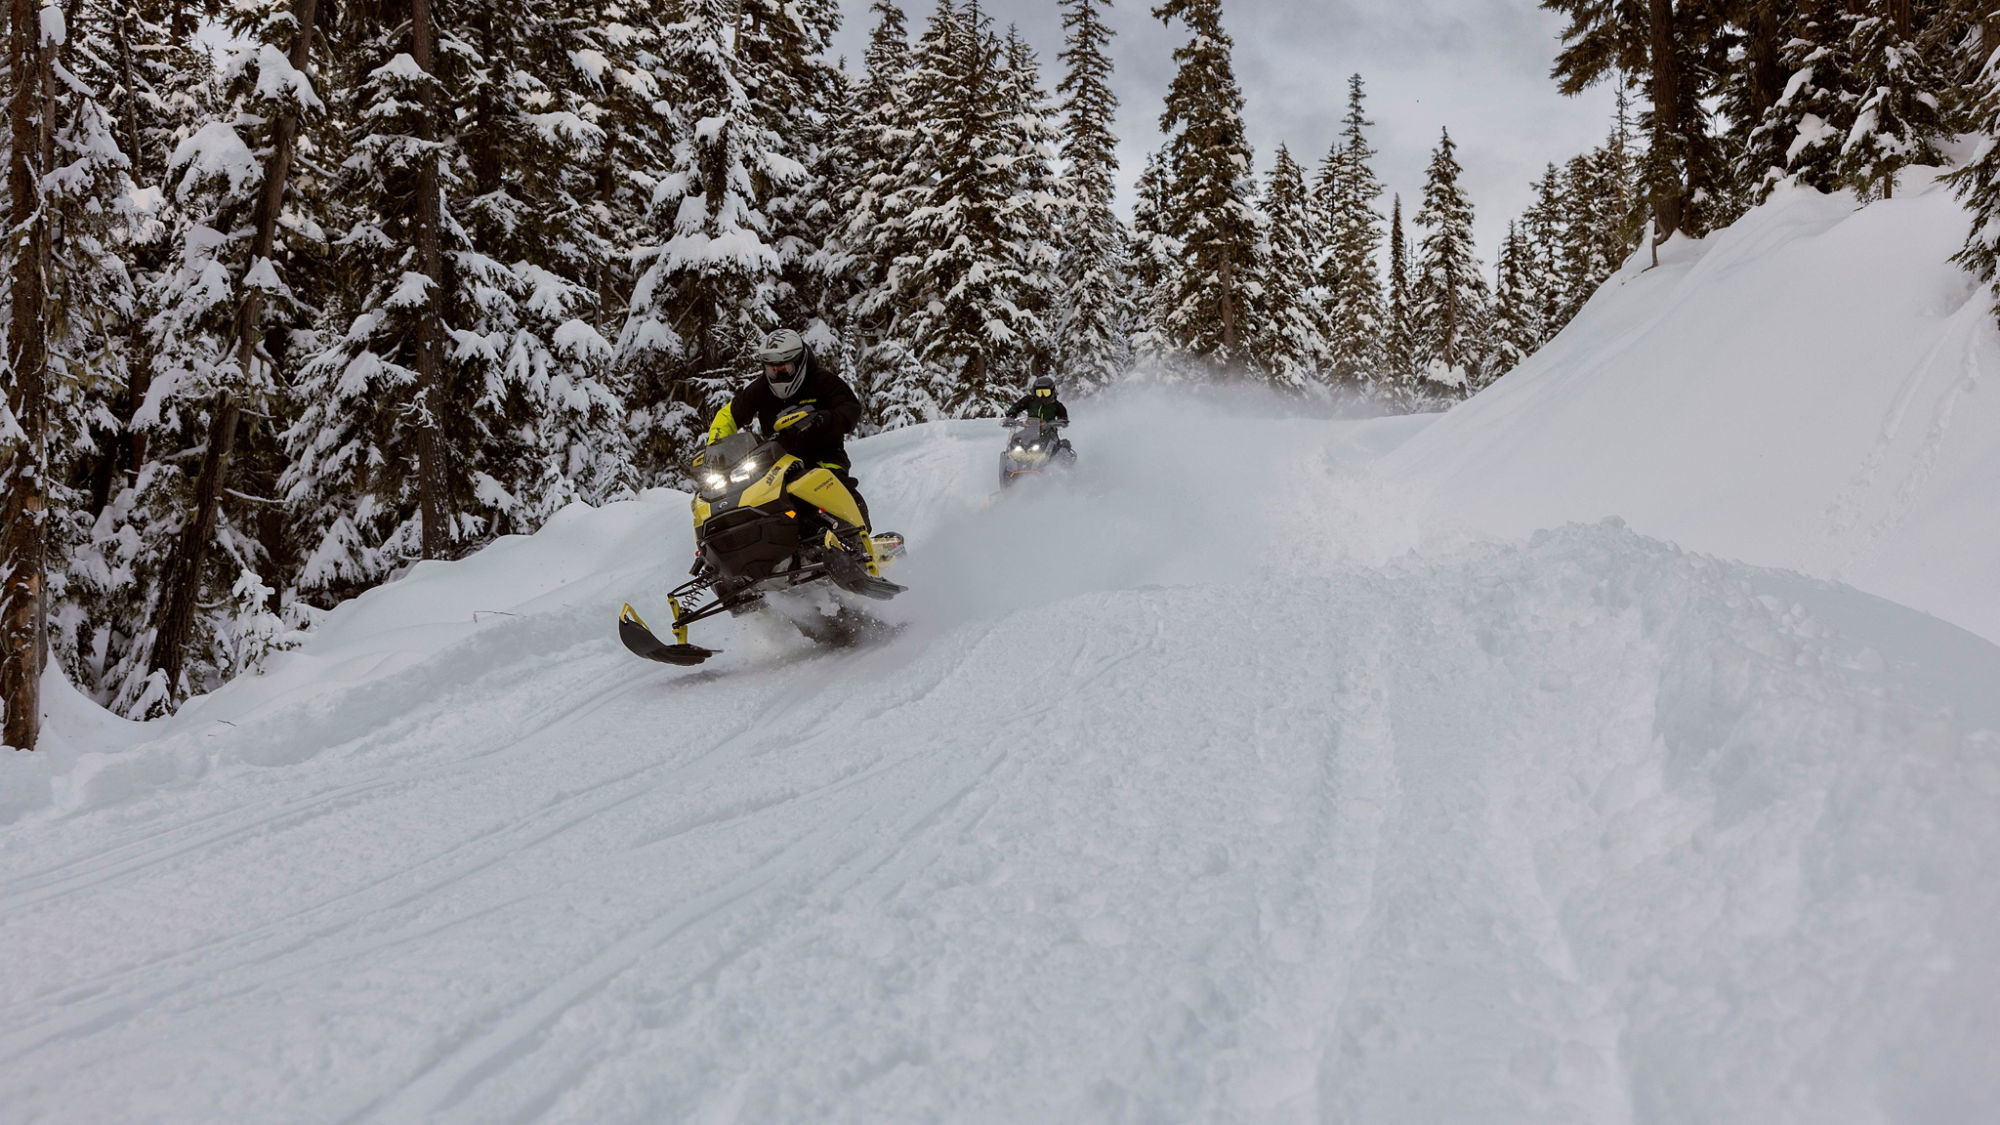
<point x="743" y="472"/>
<point x="1037" y="448"/>
<point x="715" y="482"/>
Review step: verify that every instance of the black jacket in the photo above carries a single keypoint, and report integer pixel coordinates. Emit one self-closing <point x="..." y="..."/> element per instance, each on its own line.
<point x="1048" y="409"/>
<point x="823" y="390"/>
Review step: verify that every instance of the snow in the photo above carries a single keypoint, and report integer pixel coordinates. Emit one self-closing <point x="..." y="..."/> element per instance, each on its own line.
<point x="279" y="80"/>
<point x="1284" y="768"/>
<point x="215" y="150"/>
<point x="1811" y="389"/>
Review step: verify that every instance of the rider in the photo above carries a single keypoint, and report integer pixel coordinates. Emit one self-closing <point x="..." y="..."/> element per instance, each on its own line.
<point x="1041" y="404"/>
<point x="792" y="381"/>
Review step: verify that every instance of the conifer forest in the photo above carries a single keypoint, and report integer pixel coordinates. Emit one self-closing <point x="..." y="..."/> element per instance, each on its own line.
<point x="302" y="292"/>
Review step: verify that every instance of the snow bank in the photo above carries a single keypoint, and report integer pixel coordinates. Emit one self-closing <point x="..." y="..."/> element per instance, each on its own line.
<point x="1812" y="388"/>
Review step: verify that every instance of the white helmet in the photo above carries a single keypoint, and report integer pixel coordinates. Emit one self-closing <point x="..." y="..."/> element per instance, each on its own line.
<point x="784" y="356"/>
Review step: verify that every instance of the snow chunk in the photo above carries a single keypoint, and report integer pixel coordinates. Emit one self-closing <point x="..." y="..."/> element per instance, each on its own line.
<point x="214" y="150"/>
<point x="279" y="80"/>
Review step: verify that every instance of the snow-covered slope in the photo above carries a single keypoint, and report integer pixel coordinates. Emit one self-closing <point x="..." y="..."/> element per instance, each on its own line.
<point x="1192" y="794"/>
<point x="1816" y="387"/>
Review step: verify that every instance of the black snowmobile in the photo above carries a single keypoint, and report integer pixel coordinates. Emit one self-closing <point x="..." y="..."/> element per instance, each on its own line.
<point x="1036" y="448"/>
<point x="764" y="522"/>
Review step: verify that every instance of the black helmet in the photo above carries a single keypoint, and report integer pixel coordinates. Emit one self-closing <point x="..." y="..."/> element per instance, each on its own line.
<point x="785" y="358"/>
<point x="1043" y="387"/>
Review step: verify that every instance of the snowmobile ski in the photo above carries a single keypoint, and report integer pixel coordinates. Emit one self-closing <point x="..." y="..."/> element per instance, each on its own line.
<point x="640" y="640"/>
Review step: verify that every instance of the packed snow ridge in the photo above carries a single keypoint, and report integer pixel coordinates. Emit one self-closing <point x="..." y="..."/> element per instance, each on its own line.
<point x="1281" y="769"/>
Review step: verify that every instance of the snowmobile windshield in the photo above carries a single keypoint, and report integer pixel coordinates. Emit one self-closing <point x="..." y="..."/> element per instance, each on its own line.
<point x="730" y="462"/>
<point x="724" y="455"/>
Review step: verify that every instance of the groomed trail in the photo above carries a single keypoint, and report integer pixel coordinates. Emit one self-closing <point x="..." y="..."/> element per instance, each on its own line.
<point x="1218" y="787"/>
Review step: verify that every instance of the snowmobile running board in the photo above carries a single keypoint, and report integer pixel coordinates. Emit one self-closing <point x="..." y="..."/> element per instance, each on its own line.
<point x="640" y="639"/>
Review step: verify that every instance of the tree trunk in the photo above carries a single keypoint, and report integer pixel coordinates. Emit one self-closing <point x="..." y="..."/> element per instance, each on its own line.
<point x="433" y="478"/>
<point x="1666" y="90"/>
<point x="1228" y="308"/>
<point x="190" y="557"/>
<point x="1767" y="74"/>
<point x="23" y="510"/>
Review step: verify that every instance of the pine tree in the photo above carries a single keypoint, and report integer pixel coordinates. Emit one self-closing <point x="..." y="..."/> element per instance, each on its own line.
<point x="874" y="199"/>
<point x="1542" y="230"/>
<point x="1031" y="218"/>
<point x="1207" y="209"/>
<point x="1581" y="263"/>
<point x="1155" y="256"/>
<point x="960" y="282"/>
<point x="213" y="306"/>
<point x="1811" y="120"/>
<point x="1977" y="183"/>
<point x="1515" y="333"/>
<point x="1291" y="348"/>
<point x="69" y="305"/>
<point x="1346" y="194"/>
<point x="711" y="284"/>
<point x="1899" y="120"/>
<point x="383" y="449"/>
<point x="1449" y="291"/>
<point x="783" y="45"/>
<point x="1095" y="313"/>
<point x="1673" y="46"/>
<point x="1399" y="344"/>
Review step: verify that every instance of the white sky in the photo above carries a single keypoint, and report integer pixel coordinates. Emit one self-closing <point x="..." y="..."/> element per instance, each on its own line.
<point x="1479" y="67"/>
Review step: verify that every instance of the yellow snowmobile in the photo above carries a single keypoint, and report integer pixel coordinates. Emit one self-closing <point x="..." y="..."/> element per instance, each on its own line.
<point x="765" y="521"/>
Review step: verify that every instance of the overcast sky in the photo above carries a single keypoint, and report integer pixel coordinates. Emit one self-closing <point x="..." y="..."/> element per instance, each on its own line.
<point x="1478" y="67"/>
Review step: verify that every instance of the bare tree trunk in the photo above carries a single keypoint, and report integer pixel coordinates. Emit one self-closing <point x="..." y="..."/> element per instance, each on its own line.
<point x="433" y="477"/>
<point x="1667" y="198"/>
<point x="190" y="558"/>
<point x="23" y="510"/>
<point x="1228" y="308"/>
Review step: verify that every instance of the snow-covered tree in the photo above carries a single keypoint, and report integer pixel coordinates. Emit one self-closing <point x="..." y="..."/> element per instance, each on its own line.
<point x="1155" y="258"/>
<point x="960" y="284"/>
<point x="1448" y="292"/>
<point x="1977" y="183"/>
<point x="1032" y="217"/>
<point x="872" y="202"/>
<point x="1290" y="349"/>
<point x="1207" y="207"/>
<point x="383" y="451"/>
<point x="1900" y="119"/>
<point x="1345" y="193"/>
<point x="712" y="280"/>
<point x="1811" y="120"/>
<point x="1095" y="312"/>
<point x="1397" y="385"/>
<point x="1542" y="232"/>
<point x="1514" y="331"/>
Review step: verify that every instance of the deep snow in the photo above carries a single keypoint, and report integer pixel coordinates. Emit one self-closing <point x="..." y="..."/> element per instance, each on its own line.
<point x="1255" y="778"/>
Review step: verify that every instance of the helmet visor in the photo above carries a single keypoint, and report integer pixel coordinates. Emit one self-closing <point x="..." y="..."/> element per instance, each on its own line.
<point x="785" y="377"/>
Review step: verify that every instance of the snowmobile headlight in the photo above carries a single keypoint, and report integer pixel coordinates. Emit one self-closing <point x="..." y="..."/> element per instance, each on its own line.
<point x="743" y="472"/>
<point x="1036" y="447"/>
<point x="714" y="482"/>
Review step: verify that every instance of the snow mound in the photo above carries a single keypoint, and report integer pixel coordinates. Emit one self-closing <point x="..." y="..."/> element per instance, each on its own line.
<point x="1812" y="388"/>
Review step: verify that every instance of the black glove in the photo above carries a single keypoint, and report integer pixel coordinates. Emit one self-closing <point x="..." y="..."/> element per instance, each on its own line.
<point x="804" y="431"/>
